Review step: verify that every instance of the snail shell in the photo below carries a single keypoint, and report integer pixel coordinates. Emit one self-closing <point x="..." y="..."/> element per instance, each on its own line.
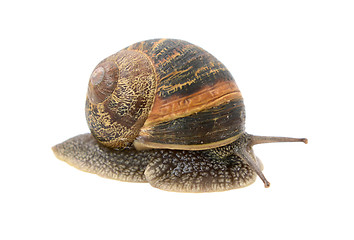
<point x="164" y="94"/>
<point x="166" y="112"/>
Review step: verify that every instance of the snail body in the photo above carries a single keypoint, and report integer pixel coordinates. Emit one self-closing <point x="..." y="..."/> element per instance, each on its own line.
<point x="169" y="113"/>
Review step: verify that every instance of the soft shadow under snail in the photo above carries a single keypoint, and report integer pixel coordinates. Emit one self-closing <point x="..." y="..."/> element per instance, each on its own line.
<point x="167" y="112"/>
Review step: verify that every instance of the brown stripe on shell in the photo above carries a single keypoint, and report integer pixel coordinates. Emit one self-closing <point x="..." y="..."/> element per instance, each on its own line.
<point x="180" y="106"/>
<point x="212" y="127"/>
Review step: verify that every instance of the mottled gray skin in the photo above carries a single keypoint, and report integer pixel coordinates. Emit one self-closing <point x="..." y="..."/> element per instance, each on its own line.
<point x="217" y="169"/>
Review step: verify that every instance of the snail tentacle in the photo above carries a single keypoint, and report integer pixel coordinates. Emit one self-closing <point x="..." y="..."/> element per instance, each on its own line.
<point x="249" y="158"/>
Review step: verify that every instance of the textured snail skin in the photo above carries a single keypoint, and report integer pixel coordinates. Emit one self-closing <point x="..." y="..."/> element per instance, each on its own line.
<point x="171" y="170"/>
<point x="166" y="112"/>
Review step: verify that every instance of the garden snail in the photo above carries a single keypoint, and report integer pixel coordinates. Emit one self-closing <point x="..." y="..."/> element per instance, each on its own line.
<point x="166" y="112"/>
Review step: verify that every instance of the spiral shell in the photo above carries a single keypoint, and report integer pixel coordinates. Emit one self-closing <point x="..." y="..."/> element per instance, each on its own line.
<point x="164" y="93"/>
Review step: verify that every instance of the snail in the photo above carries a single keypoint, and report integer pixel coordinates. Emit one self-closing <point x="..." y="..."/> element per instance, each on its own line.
<point x="167" y="112"/>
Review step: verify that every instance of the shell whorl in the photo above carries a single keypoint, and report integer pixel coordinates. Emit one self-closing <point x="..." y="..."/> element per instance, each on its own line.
<point x="120" y="95"/>
<point x="102" y="82"/>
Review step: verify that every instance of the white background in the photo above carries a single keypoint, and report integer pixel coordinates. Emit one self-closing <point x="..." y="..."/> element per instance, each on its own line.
<point x="293" y="61"/>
